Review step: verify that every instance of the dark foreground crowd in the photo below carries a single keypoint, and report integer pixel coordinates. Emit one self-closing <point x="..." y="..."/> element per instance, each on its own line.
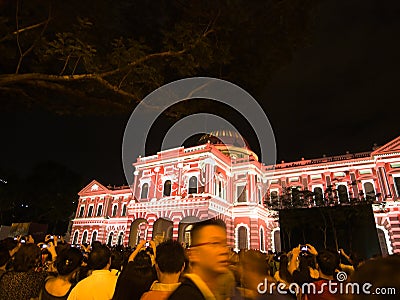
<point x="208" y="270"/>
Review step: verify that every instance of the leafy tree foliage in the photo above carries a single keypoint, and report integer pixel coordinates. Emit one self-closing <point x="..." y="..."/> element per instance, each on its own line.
<point x="103" y="56"/>
<point x="291" y="198"/>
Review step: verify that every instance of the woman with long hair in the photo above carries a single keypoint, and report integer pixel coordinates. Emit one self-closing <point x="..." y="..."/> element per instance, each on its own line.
<point x="67" y="264"/>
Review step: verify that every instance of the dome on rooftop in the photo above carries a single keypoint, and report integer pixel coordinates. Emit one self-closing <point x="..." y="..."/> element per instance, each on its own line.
<point x="229" y="142"/>
<point x="225" y="137"/>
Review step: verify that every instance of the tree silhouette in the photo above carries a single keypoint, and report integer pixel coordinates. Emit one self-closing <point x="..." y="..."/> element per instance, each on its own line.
<point x="292" y="198"/>
<point x="74" y="57"/>
<point x="326" y="221"/>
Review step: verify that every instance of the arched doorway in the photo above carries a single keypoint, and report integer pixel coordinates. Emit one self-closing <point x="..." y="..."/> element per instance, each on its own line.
<point x="120" y="240"/>
<point x="262" y="240"/>
<point x="135" y="232"/>
<point x="184" y="229"/>
<point x="384" y="241"/>
<point x="84" y="237"/>
<point x="163" y="228"/>
<point x="75" y="239"/>
<point x="94" y="236"/>
<point x="186" y="235"/>
<point x="242" y="238"/>
<point x="110" y="239"/>
<point x="276" y="240"/>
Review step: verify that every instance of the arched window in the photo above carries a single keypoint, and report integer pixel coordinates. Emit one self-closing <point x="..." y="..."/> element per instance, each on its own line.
<point x="167" y="188"/>
<point x="262" y="243"/>
<point x="90" y="211"/>
<point x="396" y="180"/>
<point x="94" y="237"/>
<point x="193" y="185"/>
<point x="241" y="193"/>
<point x="81" y="211"/>
<point x="99" y="210"/>
<point x="318" y="195"/>
<point x="242" y="238"/>
<point x="273" y="197"/>
<point x="110" y="238"/>
<point x="123" y="210"/>
<point x="342" y="193"/>
<point x="75" y="239"/>
<point x="145" y="191"/>
<point x="369" y="191"/>
<point x="114" y="211"/>
<point x="84" y="237"/>
<point x="120" y="239"/>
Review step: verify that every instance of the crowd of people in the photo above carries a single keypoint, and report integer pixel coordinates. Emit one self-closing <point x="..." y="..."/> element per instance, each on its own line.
<point x="207" y="270"/>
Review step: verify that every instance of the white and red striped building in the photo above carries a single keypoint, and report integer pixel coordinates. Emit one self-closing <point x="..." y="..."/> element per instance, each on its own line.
<point x="177" y="187"/>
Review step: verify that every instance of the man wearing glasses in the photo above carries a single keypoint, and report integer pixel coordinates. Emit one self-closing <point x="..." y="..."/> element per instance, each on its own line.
<point x="208" y="257"/>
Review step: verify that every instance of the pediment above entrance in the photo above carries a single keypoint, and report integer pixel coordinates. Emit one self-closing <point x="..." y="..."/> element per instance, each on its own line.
<point x="391" y="147"/>
<point x="93" y="188"/>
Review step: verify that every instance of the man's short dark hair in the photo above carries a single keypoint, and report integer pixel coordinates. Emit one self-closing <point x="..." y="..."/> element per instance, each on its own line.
<point x="328" y="262"/>
<point x="197" y="227"/>
<point x="96" y="244"/>
<point x="99" y="257"/>
<point x="170" y="257"/>
<point x="26" y="258"/>
<point x="117" y="259"/>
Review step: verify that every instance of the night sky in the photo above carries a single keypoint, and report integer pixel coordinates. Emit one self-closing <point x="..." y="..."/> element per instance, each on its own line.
<point x="340" y="93"/>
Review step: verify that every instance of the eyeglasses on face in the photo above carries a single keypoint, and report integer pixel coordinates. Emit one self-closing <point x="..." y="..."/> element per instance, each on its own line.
<point x="214" y="244"/>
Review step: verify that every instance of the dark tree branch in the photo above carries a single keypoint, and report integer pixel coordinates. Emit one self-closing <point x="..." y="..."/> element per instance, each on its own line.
<point x="123" y="78"/>
<point x="34" y="26"/>
<point x="25" y="53"/>
<point x="65" y="64"/>
<point x="18" y="43"/>
<point x="76" y="64"/>
<point x="115" y="89"/>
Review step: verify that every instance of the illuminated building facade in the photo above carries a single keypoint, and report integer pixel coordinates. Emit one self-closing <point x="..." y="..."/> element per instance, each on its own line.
<point x="177" y="187"/>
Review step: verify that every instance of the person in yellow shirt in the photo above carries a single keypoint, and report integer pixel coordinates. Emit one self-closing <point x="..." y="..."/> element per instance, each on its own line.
<point x="100" y="285"/>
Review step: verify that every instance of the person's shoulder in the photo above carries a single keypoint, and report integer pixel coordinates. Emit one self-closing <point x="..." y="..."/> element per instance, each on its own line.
<point x="155" y="295"/>
<point x="82" y="283"/>
<point x="6" y="274"/>
<point x="187" y="290"/>
<point x="32" y="276"/>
